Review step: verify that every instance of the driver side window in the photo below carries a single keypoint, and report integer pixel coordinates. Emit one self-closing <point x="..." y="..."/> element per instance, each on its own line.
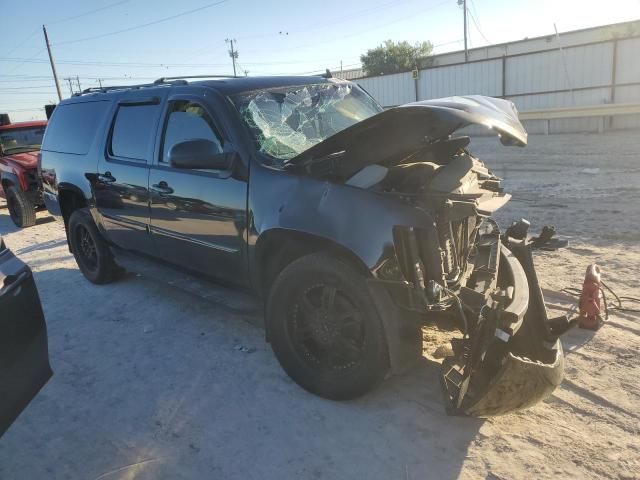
<point x="188" y="121"/>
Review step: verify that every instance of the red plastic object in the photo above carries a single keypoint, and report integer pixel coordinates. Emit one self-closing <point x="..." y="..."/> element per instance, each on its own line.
<point x="590" y="317"/>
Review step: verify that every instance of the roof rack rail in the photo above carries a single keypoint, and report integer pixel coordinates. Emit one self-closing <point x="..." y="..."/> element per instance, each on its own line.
<point x="161" y="81"/>
<point x="106" y="89"/>
<point x="182" y="77"/>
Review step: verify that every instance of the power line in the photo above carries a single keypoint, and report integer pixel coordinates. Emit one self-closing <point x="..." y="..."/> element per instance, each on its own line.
<point x="143" y="25"/>
<point x="140" y="64"/>
<point x="333" y="39"/>
<point x="60" y="21"/>
<point x="28" y="60"/>
<point x="108" y="64"/>
<point x="29" y="93"/>
<point x="55" y="22"/>
<point x="23" y="88"/>
<point x="476" y="22"/>
<point x="29" y="37"/>
<point x="333" y="21"/>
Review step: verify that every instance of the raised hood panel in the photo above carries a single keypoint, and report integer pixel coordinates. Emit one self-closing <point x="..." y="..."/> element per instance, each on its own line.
<point x="398" y="131"/>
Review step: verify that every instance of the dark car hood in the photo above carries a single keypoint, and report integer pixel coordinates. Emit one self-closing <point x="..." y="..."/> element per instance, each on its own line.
<point x="399" y="131"/>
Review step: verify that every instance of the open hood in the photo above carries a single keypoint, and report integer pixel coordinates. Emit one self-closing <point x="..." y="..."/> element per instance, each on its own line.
<point x="399" y="131"/>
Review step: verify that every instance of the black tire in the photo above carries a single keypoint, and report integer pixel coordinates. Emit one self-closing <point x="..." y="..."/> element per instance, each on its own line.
<point x="21" y="210"/>
<point x="337" y="351"/>
<point x="91" y="251"/>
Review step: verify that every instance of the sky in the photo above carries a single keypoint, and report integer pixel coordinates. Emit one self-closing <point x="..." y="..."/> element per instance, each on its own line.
<point x="137" y="41"/>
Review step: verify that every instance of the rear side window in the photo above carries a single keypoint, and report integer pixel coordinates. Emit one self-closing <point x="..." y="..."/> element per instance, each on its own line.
<point x="73" y="127"/>
<point x="134" y="131"/>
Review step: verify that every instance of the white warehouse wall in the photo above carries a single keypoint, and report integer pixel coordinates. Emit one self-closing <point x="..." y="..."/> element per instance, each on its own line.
<point x="576" y="76"/>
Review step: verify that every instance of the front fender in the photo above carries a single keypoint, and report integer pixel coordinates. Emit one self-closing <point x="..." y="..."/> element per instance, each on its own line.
<point x="358" y="220"/>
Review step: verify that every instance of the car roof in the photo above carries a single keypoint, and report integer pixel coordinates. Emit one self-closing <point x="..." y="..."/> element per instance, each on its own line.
<point x="227" y="86"/>
<point x="233" y="86"/>
<point x="33" y="123"/>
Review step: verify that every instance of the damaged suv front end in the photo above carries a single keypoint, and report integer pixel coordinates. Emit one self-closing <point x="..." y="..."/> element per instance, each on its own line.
<point x="452" y="262"/>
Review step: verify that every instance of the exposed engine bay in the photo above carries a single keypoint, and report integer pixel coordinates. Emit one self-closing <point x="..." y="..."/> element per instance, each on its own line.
<point x="465" y="269"/>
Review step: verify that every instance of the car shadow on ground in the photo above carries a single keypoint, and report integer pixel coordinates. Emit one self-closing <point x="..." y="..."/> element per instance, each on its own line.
<point x="40" y="246"/>
<point x="147" y="373"/>
<point x="7" y="226"/>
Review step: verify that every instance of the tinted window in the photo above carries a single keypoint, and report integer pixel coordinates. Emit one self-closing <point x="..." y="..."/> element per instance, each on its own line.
<point x="188" y="121"/>
<point x="134" y="131"/>
<point x="18" y="140"/>
<point x="73" y="127"/>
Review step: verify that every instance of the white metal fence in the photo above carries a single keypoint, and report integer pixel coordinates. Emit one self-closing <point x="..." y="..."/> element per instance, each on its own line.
<point x="581" y="75"/>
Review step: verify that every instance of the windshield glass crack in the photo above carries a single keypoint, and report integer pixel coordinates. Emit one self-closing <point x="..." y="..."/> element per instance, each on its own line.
<point x="286" y="122"/>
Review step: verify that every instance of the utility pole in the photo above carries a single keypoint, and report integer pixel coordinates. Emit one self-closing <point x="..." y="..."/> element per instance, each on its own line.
<point x="464" y="16"/>
<point x="232" y="53"/>
<point x="69" y="79"/>
<point x="53" y="67"/>
<point x="78" y="81"/>
<point x="100" y="82"/>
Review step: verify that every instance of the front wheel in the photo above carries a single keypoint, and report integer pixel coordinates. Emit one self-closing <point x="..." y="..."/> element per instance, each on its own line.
<point x="21" y="209"/>
<point x="324" y="328"/>
<point x="90" y="250"/>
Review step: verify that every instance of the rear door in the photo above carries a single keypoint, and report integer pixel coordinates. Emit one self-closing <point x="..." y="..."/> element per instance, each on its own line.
<point x="198" y="217"/>
<point x="24" y="355"/>
<point x="122" y="183"/>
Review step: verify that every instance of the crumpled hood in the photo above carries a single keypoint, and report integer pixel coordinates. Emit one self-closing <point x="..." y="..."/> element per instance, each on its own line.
<point x="399" y="131"/>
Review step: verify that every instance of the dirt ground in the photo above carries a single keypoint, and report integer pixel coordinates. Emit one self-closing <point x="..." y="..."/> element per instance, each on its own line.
<point x="153" y="382"/>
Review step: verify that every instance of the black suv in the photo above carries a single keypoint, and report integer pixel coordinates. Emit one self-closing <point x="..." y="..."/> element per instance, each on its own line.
<point x="356" y="225"/>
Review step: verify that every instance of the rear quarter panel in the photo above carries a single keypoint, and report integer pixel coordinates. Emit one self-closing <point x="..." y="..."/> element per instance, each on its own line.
<point x="63" y="170"/>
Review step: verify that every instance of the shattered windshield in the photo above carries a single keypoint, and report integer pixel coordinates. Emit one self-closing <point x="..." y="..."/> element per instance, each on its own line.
<point x="287" y="121"/>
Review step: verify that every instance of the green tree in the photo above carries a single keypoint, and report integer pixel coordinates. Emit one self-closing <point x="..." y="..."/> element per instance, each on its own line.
<point x="391" y="57"/>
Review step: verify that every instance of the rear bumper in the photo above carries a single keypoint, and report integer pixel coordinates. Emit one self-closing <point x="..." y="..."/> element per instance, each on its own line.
<point x="509" y="359"/>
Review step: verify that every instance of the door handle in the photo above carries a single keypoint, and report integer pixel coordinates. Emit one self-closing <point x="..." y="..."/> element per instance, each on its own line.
<point x="162" y="188"/>
<point x="106" y="177"/>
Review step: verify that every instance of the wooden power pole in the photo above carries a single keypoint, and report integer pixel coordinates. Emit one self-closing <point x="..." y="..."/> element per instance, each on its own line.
<point x="464" y="18"/>
<point x="53" y="67"/>
<point x="233" y="54"/>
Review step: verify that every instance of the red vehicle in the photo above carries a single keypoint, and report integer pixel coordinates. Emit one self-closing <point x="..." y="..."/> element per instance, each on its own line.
<point x="20" y="184"/>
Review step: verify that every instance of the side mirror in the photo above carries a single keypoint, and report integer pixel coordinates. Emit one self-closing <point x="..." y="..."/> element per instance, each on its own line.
<point x="199" y="154"/>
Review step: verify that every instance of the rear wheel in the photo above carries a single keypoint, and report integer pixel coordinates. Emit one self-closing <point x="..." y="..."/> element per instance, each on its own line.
<point x="21" y="209"/>
<point x="324" y="329"/>
<point x="92" y="253"/>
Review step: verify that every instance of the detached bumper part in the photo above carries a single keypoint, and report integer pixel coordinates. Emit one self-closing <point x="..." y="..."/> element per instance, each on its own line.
<point x="501" y="368"/>
<point x="520" y="383"/>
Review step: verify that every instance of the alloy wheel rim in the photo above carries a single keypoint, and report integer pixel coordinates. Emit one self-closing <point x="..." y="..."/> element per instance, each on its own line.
<point x="88" y="251"/>
<point x="326" y="328"/>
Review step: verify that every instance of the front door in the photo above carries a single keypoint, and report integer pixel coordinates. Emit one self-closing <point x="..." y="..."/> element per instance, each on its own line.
<point x="121" y="184"/>
<point x="24" y="354"/>
<point x="198" y="217"/>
